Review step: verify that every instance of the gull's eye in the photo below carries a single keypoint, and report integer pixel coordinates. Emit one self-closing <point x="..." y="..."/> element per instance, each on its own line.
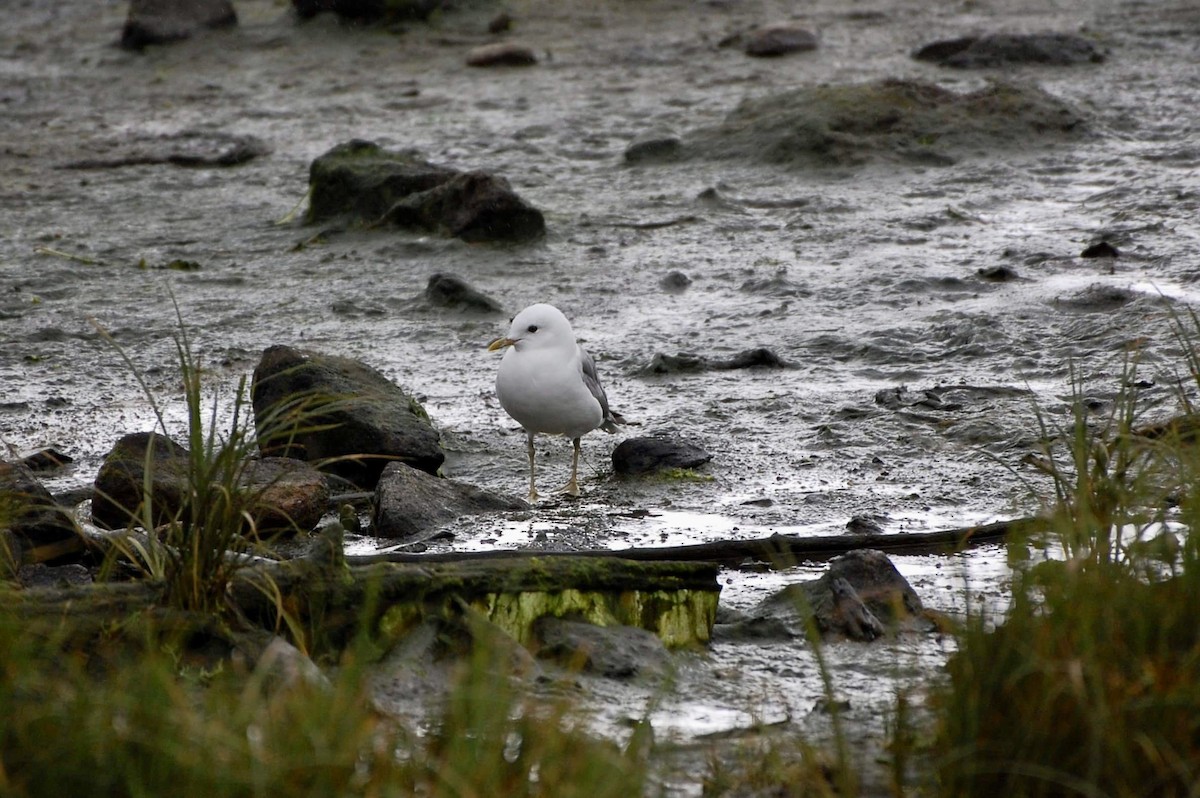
<point x="532" y="328"/>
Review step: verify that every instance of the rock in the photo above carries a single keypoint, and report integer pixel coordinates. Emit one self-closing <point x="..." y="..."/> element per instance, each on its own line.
<point x="282" y="667"/>
<point x="162" y="21"/>
<point x="474" y="206"/>
<point x="644" y="455"/>
<point x="1003" y="49"/>
<point x="448" y="291"/>
<point x="500" y="23"/>
<point x="48" y="459"/>
<point x="290" y="495"/>
<point x="360" y="183"/>
<point x="339" y="414"/>
<point x="777" y="39"/>
<point x="281" y="495"/>
<point x="1101" y="249"/>
<point x="686" y="362"/>
<point x="998" y="274"/>
<point x="118" y="488"/>
<point x="863" y="525"/>
<point x="675" y="281"/>
<point x="370" y="10"/>
<point x="185" y="148"/>
<point x="859" y="597"/>
<point x="38" y="530"/>
<point x="890" y="119"/>
<point x="615" y="652"/>
<point x="501" y="54"/>
<point x="656" y="147"/>
<point x="410" y="503"/>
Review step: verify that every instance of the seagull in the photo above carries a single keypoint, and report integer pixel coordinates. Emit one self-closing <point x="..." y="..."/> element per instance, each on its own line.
<point x="548" y="383"/>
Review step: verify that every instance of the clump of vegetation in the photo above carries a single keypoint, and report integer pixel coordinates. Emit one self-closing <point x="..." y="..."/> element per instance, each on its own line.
<point x="1091" y="685"/>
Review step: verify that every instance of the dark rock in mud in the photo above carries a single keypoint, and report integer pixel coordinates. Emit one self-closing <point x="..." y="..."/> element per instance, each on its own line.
<point x="339" y="414"/>
<point x="1004" y="49"/>
<point x="687" y="363"/>
<point x="474" y="206"/>
<point x="35" y="525"/>
<point x="1098" y="297"/>
<point x="370" y="10"/>
<point x="448" y="291"/>
<point x="780" y="38"/>
<point x="283" y="495"/>
<point x="647" y="454"/>
<point x="501" y="54"/>
<point x="49" y="459"/>
<point x="901" y="120"/>
<point x="163" y="21"/>
<point x="653" y="147"/>
<point x="675" y="281"/>
<point x="360" y="180"/>
<point x="362" y="183"/>
<point x="859" y="597"/>
<point x="118" y="487"/>
<point x="863" y="525"/>
<point x="1101" y="249"/>
<point x="500" y="23"/>
<point x="410" y="503"/>
<point x="615" y="652"/>
<point x="195" y="148"/>
<point x="998" y="274"/>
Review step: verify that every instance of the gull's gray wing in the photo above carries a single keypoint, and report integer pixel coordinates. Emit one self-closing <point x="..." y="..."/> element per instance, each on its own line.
<point x="592" y="380"/>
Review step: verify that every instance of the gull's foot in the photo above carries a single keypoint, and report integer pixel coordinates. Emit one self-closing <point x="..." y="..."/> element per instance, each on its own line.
<point x="571" y="489"/>
<point x="533" y="495"/>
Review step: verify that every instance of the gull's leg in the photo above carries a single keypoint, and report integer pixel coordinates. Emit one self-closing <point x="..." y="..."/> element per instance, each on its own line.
<point x="532" y="473"/>
<point x="572" y="488"/>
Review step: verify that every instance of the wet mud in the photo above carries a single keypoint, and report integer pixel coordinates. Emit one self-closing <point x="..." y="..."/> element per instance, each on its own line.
<point x="927" y="306"/>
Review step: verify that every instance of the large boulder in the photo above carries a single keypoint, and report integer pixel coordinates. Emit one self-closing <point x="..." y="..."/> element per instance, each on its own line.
<point x="409" y="503"/>
<point x="163" y="21"/>
<point x="34" y="527"/>
<point x="339" y="414"/>
<point x="362" y="183"/>
<point x="281" y="495"/>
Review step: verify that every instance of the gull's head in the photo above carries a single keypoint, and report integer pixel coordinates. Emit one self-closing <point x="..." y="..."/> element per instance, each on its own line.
<point x="536" y="327"/>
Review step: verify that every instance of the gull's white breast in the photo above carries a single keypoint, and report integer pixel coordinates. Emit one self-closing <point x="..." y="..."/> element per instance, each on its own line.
<point x="543" y="389"/>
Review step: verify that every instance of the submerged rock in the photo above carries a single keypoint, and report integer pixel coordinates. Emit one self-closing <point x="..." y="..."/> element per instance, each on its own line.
<point x="282" y="495"/>
<point x="780" y="38"/>
<point x="647" y="454"/>
<point x="48" y="459"/>
<point x="449" y="291"/>
<point x="339" y="414"/>
<point x="162" y="21"/>
<point x="655" y="147"/>
<point x="686" y="362"/>
<point x="1003" y="49"/>
<point x="1101" y="249"/>
<point x="36" y="528"/>
<point x="501" y="54"/>
<point x="186" y="148"/>
<point x="616" y="652"/>
<point x="362" y="183"/>
<point x="888" y="119"/>
<point x="411" y="503"/>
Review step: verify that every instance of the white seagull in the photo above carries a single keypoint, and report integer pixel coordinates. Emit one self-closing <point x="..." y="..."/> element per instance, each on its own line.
<point x="548" y="383"/>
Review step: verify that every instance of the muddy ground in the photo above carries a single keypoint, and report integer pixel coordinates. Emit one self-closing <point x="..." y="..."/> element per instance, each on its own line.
<point x="927" y="294"/>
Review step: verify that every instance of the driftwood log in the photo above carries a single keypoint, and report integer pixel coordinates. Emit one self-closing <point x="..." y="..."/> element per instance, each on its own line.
<point x="776" y="550"/>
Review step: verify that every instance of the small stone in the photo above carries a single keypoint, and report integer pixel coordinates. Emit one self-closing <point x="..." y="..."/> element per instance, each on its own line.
<point x="449" y="291"/>
<point x="47" y="459"/>
<point x="1101" y="249"/>
<point x="501" y="54"/>
<point x="653" y="147"/>
<point x="500" y="23"/>
<point x="997" y="274"/>
<point x="778" y="39"/>
<point x="675" y="281"/>
<point x="162" y="21"/>
<point x="999" y="49"/>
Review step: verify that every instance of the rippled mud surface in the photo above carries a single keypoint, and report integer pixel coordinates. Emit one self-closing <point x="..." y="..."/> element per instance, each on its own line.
<point x="913" y="377"/>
